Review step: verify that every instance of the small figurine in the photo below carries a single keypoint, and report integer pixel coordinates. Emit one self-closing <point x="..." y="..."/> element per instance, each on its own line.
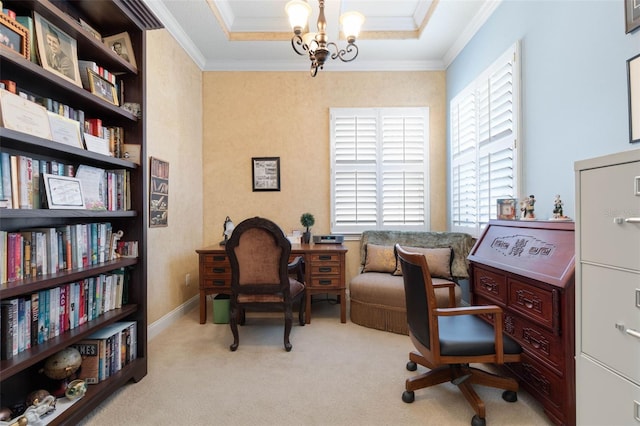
<point x="527" y="208"/>
<point x="557" y="207"/>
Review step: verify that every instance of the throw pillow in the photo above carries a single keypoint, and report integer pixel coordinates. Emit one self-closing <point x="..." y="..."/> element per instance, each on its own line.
<point x="438" y="259"/>
<point x="379" y="259"/>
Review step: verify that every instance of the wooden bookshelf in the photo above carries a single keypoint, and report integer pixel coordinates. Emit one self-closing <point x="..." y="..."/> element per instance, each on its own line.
<point x="20" y="374"/>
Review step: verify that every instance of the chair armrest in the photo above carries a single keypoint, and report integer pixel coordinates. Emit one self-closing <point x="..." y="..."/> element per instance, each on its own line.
<point x="297" y="266"/>
<point x="494" y="310"/>
<point x="452" y="292"/>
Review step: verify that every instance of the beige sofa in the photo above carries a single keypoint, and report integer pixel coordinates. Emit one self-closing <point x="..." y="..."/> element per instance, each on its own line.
<point x="377" y="293"/>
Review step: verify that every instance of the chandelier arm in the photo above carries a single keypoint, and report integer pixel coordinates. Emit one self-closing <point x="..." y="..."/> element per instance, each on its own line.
<point x="299" y="46"/>
<point x="347" y="54"/>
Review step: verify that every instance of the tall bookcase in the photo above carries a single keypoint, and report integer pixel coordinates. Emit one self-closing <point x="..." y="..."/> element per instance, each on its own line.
<point x="21" y="374"/>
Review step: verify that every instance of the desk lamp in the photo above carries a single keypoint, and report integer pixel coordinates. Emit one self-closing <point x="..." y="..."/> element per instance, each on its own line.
<point x="227" y="230"/>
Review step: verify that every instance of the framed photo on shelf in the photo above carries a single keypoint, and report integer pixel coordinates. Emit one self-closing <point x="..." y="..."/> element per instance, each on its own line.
<point x="158" y="193"/>
<point x="102" y="88"/>
<point x="121" y="44"/>
<point x="85" y="26"/>
<point x="632" y="15"/>
<point x="265" y="173"/>
<point x="14" y="36"/>
<point x="58" y="51"/>
<point x="633" y="81"/>
<point x="507" y="208"/>
<point x="63" y="192"/>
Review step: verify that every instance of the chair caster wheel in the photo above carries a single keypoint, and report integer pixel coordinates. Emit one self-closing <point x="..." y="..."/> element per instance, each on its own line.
<point x="412" y="366"/>
<point x="408" y="396"/>
<point x="510" y="396"/>
<point x="478" y="421"/>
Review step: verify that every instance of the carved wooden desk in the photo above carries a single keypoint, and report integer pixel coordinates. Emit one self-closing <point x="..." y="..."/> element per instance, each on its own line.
<point x="527" y="268"/>
<point x="324" y="273"/>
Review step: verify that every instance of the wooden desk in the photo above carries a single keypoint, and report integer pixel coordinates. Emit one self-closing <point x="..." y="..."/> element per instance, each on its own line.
<point x="324" y="273"/>
<point x="527" y="268"/>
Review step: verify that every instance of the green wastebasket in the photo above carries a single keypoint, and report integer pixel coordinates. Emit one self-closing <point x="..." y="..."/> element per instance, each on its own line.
<point x="221" y="309"/>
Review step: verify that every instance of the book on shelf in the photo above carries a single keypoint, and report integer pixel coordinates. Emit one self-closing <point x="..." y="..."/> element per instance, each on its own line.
<point x="6" y="330"/>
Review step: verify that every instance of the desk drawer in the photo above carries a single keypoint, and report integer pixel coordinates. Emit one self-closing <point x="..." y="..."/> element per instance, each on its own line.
<point x="324" y="257"/>
<point x="325" y="268"/>
<point x="208" y="259"/>
<point x="330" y="281"/>
<point x="219" y="282"/>
<point x="491" y="285"/>
<point x="539" y="380"/>
<point x="536" y="303"/>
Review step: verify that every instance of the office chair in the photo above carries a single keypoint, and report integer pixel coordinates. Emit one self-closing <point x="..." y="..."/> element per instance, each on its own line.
<point x="449" y="339"/>
<point x="259" y="253"/>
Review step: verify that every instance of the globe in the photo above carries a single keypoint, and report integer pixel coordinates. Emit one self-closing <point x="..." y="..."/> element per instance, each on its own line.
<point x="63" y="364"/>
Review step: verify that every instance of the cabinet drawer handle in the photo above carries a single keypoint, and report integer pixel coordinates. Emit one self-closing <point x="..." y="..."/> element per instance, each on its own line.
<point x="636" y="410"/>
<point x="637" y="297"/>
<point x="324" y="257"/>
<point x="325" y="269"/>
<point x="219" y="283"/>
<point x="620" y="326"/>
<point x="218" y="270"/>
<point x="324" y="282"/>
<point x="219" y="258"/>
<point x="632" y="220"/>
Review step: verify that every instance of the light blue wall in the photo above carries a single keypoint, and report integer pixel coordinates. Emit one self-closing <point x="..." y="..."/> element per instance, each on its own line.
<point x="574" y="85"/>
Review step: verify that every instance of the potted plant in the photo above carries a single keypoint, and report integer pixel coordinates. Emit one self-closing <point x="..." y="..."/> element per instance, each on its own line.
<point x="307" y="220"/>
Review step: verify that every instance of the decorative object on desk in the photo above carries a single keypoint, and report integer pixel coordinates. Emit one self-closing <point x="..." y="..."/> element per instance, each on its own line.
<point x="506" y="208"/>
<point x="14" y="36"/>
<point x="227" y="230"/>
<point x="265" y="173"/>
<point x="316" y="45"/>
<point x="557" y="209"/>
<point x="102" y="88"/>
<point x="58" y="52"/>
<point x="121" y="45"/>
<point x="307" y="220"/>
<point x="159" y="193"/>
<point x="632" y="15"/>
<point x="633" y="81"/>
<point x="63" y="192"/>
<point x="527" y="208"/>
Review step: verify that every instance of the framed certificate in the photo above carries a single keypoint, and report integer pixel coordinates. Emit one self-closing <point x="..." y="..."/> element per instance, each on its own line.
<point x="266" y="173"/>
<point x="63" y="192"/>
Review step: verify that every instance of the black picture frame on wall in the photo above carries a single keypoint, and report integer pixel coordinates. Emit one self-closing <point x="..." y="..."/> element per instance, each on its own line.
<point x="632" y="15"/>
<point x="633" y="84"/>
<point x="265" y="173"/>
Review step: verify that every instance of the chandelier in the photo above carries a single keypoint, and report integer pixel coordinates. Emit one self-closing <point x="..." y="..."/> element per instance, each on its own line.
<point x="316" y="45"/>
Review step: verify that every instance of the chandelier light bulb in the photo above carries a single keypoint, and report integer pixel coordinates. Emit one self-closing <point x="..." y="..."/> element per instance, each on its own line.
<point x="298" y="12"/>
<point x="351" y="23"/>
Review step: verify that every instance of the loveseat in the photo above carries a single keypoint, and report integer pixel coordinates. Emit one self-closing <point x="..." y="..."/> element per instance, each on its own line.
<point x="377" y="292"/>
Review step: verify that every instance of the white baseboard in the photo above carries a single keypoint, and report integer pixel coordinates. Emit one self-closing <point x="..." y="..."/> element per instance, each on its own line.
<point x="158" y="326"/>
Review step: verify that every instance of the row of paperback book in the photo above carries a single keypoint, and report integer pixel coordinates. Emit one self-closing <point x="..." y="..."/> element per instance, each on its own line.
<point x="107" y="351"/>
<point x="32" y="320"/>
<point x="23" y="184"/>
<point x="36" y="252"/>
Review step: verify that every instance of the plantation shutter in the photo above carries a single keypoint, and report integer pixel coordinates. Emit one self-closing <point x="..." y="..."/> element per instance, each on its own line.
<point x="483" y="145"/>
<point x="379" y="176"/>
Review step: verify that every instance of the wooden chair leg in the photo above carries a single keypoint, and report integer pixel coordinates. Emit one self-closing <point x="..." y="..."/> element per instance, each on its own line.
<point x="233" y="323"/>
<point x="430" y="378"/>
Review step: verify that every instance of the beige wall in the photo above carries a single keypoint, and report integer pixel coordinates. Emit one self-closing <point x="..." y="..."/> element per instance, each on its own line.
<point x="174" y="134"/>
<point x="286" y="115"/>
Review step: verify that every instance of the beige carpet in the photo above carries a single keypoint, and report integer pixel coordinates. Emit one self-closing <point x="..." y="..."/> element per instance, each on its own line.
<point x="336" y="374"/>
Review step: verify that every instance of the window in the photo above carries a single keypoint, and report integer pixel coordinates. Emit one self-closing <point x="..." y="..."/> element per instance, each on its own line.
<point x="379" y="176"/>
<point x="483" y="151"/>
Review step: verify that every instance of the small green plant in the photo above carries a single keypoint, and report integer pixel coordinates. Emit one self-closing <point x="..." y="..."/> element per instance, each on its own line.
<point x="307" y="220"/>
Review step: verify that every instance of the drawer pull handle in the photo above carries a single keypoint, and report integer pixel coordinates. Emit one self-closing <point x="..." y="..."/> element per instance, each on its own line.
<point x="219" y="283"/>
<point x="219" y="270"/>
<point x="620" y="326"/>
<point x="219" y="258"/>
<point x="324" y="282"/>
<point x="632" y="220"/>
<point x="636" y="410"/>
<point x="325" y="257"/>
<point x="325" y="269"/>
<point x="637" y="297"/>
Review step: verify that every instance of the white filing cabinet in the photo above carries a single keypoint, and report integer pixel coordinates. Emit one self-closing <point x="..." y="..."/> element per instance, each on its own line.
<point x="608" y="290"/>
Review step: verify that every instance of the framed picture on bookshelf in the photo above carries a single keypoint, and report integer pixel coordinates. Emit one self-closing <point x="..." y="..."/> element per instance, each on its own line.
<point x="58" y="51"/>
<point x="159" y="193"/>
<point x="266" y="173"/>
<point x="121" y="44"/>
<point x="507" y="208"/>
<point x="63" y="192"/>
<point x="102" y="88"/>
<point x="14" y="36"/>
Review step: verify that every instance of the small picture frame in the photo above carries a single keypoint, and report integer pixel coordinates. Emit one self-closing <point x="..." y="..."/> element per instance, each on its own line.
<point x="633" y="81"/>
<point x="507" y="208"/>
<point x="63" y="192"/>
<point x="102" y="88"/>
<point x="632" y="15"/>
<point x="265" y="173"/>
<point x="85" y="26"/>
<point x="121" y="45"/>
<point x="58" y="51"/>
<point x="14" y="36"/>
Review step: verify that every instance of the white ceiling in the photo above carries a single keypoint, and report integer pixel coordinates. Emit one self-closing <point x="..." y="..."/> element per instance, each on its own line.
<point x="254" y="35"/>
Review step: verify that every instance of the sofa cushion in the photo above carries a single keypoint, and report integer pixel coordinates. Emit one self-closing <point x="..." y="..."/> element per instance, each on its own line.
<point x="438" y="259"/>
<point x="379" y="259"/>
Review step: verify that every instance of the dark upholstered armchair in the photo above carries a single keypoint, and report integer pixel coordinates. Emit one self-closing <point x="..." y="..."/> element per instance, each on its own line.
<point x="448" y="339"/>
<point x="259" y="254"/>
